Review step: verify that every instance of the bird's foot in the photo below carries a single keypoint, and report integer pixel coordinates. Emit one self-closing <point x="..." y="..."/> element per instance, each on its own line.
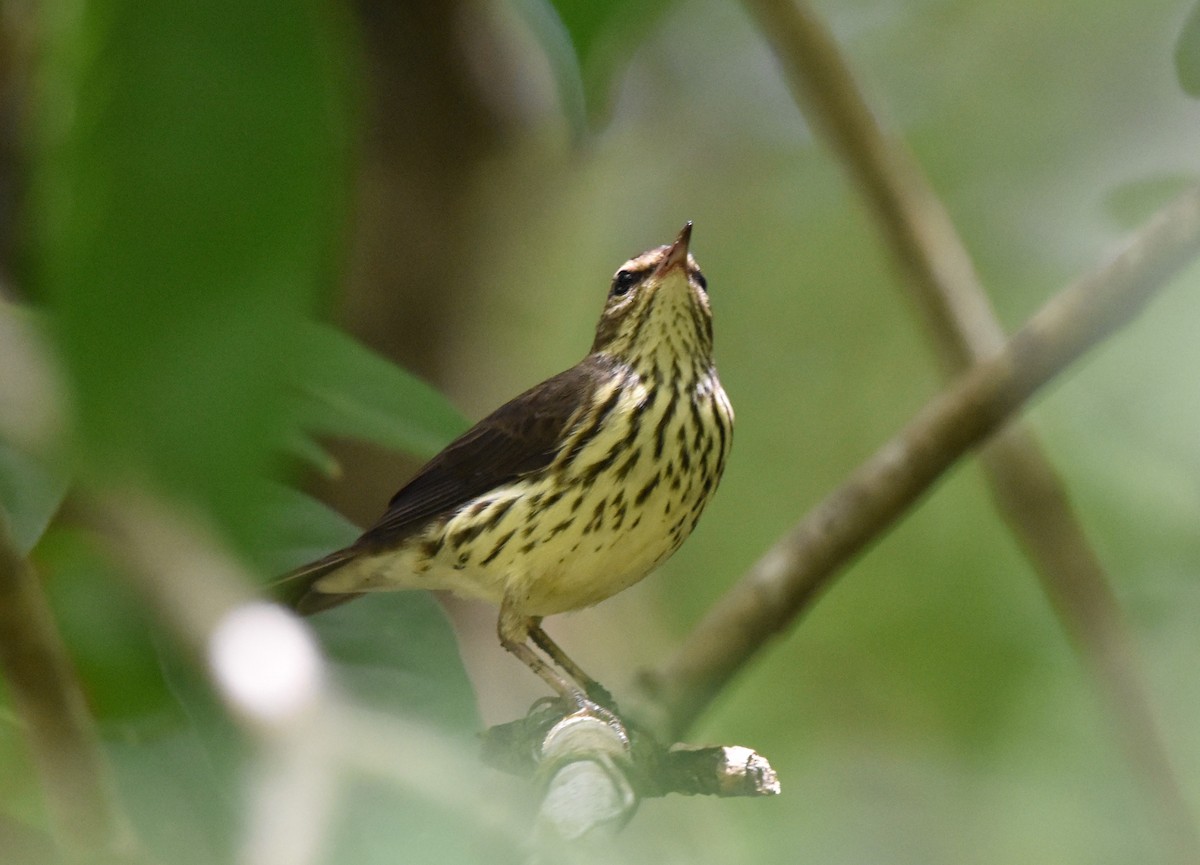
<point x="598" y="695"/>
<point x="586" y="704"/>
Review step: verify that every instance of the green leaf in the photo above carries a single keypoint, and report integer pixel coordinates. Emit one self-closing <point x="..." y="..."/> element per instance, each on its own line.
<point x="1132" y="203"/>
<point x="605" y="35"/>
<point x="189" y="190"/>
<point x="33" y="477"/>
<point x="392" y="652"/>
<point x="1187" y="54"/>
<point x="550" y="32"/>
<point x="105" y="625"/>
<point x="297" y="528"/>
<point x="30" y="494"/>
<point x="350" y="391"/>
<point x="183" y="808"/>
<point x="396" y="651"/>
<point x="310" y="452"/>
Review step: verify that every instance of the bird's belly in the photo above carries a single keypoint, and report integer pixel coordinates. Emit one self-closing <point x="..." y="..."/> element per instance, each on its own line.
<point x="586" y="563"/>
<point x="577" y="566"/>
<point x="564" y="557"/>
<point x="610" y="533"/>
<point x="576" y="535"/>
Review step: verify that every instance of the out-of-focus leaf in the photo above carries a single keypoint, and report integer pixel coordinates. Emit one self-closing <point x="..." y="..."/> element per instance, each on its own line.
<point x="310" y="453"/>
<point x="605" y="35"/>
<point x="394" y="650"/>
<point x="19" y="793"/>
<point x="31" y="395"/>
<point x="105" y="627"/>
<point x="297" y="529"/>
<point x="551" y="34"/>
<point x="1187" y="53"/>
<point x="184" y="806"/>
<point x="188" y="193"/>
<point x="350" y="391"/>
<point x="1131" y="204"/>
<point x="30" y="493"/>
<point x="179" y="789"/>
<point x="32" y="486"/>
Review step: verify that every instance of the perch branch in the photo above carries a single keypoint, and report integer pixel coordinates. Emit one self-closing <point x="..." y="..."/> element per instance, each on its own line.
<point x="959" y="317"/>
<point x="595" y="770"/>
<point x="785" y="581"/>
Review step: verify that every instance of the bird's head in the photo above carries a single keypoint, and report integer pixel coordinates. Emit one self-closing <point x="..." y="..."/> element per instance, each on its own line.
<point x="657" y="311"/>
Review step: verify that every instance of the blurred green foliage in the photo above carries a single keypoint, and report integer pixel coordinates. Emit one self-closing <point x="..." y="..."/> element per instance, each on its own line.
<point x="601" y="36"/>
<point x="193" y="175"/>
<point x="352" y="392"/>
<point x="1187" y="53"/>
<point x="30" y="493"/>
<point x="190" y="179"/>
<point x="192" y="167"/>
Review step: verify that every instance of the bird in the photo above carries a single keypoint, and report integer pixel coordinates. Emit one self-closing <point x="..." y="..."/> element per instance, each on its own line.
<point x="572" y="491"/>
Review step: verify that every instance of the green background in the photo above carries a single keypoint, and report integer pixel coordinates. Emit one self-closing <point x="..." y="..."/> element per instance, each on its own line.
<point x="455" y="186"/>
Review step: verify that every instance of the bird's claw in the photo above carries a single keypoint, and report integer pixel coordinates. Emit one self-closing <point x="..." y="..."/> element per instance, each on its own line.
<point x="584" y="705"/>
<point x="599" y="695"/>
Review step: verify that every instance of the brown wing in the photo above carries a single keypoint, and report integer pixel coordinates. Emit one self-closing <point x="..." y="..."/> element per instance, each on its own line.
<point x="515" y="440"/>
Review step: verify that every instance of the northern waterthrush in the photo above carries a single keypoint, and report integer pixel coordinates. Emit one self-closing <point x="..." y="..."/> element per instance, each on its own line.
<point x="572" y="491"/>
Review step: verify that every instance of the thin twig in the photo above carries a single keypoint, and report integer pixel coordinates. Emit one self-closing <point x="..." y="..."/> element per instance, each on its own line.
<point x="962" y="323"/>
<point x="785" y="581"/>
<point x="79" y="793"/>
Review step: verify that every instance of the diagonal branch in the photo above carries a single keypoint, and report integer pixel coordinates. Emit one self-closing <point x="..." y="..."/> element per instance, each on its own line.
<point x="959" y="317"/>
<point x="785" y="581"/>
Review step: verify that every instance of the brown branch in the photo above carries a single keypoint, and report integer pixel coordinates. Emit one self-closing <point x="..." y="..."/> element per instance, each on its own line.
<point x="594" y="769"/>
<point x="959" y="317"/>
<point x="532" y="746"/>
<point x="785" y="581"/>
<point x="80" y="799"/>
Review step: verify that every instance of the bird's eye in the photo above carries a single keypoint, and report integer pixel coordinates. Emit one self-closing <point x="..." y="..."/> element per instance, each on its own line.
<point x="623" y="281"/>
<point x="701" y="281"/>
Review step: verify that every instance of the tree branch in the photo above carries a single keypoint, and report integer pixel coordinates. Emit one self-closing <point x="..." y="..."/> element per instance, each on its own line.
<point x="594" y="770"/>
<point x="785" y="581"/>
<point x="959" y="317"/>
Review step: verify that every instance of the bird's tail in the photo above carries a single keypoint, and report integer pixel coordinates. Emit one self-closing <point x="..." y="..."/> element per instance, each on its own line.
<point x="297" y="589"/>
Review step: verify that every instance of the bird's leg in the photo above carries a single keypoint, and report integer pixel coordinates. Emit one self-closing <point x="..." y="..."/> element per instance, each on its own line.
<point x="586" y="693"/>
<point x="514" y="629"/>
<point x="596" y="692"/>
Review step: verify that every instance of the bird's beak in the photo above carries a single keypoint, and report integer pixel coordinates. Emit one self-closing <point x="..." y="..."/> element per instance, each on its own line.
<point x="677" y="253"/>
